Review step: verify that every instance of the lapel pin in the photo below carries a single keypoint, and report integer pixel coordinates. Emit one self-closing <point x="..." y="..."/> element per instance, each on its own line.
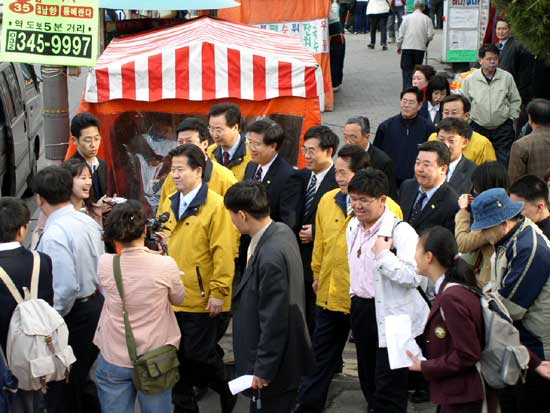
<point x="268" y="181"/>
<point x="433" y="206"/>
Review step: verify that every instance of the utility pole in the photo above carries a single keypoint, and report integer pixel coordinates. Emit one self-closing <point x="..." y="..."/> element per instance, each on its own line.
<point x="55" y="95"/>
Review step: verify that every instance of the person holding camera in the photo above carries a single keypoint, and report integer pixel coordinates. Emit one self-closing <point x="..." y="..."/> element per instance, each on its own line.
<point x="151" y="286"/>
<point x="203" y="241"/>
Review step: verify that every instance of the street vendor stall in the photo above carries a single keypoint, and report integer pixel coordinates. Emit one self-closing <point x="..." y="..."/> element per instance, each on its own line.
<point x="144" y="85"/>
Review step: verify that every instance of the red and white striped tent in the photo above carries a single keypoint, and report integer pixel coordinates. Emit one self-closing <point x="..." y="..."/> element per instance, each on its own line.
<point x="205" y="59"/>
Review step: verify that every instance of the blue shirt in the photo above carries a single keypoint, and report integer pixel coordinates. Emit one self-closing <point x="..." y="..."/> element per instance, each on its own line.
<point x="73" y="242"/>
<point x="185" y="200"/>
<point x="429" y="195"/>
<point x="233" y="149"/>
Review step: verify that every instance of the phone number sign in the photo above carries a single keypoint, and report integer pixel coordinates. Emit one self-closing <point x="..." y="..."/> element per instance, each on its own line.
<point x="50" y="32"/>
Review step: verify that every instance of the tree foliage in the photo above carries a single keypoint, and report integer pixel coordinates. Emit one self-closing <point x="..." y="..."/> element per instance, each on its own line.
<point x="530" y="21"/>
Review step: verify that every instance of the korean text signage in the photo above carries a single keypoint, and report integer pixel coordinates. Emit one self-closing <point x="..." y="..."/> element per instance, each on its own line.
<point x="314" y="33"/>
<point x="463" y="29"/>
<point x="53" y="32"/>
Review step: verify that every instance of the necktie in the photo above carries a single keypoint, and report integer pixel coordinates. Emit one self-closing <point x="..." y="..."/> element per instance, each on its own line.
<point x="225" y="158"/>
<point x="417" y="208"/>
<point x="310" y="194"/>
<point x="349" y="209"/>
<point x="500" y="46"/>
<point x="258" y="174"/>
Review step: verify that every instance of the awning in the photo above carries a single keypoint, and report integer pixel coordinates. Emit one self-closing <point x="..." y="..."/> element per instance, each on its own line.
<point x="205" y="59"/>
<point x="168" y="4"/>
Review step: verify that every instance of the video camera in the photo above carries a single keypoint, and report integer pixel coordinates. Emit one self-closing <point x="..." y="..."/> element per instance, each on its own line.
<point x="154" y="225"/>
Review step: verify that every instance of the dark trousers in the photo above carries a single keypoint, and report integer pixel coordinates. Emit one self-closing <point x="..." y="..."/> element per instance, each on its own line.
<point x="310" y="306"/>
<point x="409" y="59"/>
<point x="331" y="333"/>
<point x="384" y="389"/>
<point x="436" y="13"/>
<point x="501" y="137"/>
<point x="398" y="11"/>
<point x="379" y="22"/>
<point x="361" y="21"/>
<point x="344" y="9"/>
<point x="200" y="362"/>
<point x="337" y="55"/>
<point x="533" y="396"/>
<point x="81" y="393"/>
<point x="283" y="403"/>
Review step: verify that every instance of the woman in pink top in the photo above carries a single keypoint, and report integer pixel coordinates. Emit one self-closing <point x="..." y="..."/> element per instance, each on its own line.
<point x="152" y="285"/>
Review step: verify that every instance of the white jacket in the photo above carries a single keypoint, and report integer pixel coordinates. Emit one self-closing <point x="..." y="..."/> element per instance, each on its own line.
<point x="416" y="31"/>
<point x="395" y="278"/>
<point x="378" y="6"/>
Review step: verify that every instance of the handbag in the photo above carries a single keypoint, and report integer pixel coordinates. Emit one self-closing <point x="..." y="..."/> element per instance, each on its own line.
<point x="156" y="370"/>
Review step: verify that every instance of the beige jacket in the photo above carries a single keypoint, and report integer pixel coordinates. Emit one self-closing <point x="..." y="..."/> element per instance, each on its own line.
<point x="473" y="241"/>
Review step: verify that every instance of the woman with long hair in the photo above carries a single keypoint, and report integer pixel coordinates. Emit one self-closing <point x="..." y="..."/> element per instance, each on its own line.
<point x="81" y="197"/>
<point x="455" y="331"/>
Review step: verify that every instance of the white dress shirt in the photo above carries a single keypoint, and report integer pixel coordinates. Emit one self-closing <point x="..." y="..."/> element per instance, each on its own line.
<point x="320" y="176"/>
<point x="452" y="167"/>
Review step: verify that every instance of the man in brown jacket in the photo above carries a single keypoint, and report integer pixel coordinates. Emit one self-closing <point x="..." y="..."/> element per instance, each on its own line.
<point x="531" y="154"/>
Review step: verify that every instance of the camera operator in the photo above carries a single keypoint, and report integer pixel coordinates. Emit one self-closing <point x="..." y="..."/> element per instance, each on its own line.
<point x="203" y="242"/>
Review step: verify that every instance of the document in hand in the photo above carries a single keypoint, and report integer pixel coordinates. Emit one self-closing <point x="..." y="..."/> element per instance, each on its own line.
<point x="240" y="384"/>
<point x="399" y="339"/>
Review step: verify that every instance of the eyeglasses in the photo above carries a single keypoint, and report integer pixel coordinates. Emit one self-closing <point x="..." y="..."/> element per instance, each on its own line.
<point x="453" y="113"/>
<point x="216" y="131"/>
<point x="254" y="145"/>
<point x="309" y="151"/>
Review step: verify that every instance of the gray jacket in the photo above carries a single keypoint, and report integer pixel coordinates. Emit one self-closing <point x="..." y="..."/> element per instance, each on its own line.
<point x="416" y="31"/>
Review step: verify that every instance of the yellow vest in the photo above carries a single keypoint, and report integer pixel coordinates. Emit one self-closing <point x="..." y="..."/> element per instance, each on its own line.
<point x="479" y="149"/>
<point x="205" y="239"/>
<point x="330" y="253"/>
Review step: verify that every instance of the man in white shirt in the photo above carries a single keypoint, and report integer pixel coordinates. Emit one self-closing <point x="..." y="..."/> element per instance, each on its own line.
<point x="453" y="132"/>
<point x="415" y="33"/>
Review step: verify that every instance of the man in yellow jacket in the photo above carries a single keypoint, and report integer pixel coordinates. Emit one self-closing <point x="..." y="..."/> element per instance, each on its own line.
<point x="202" y="241"/>
<point x="479" y="149"/>
<point x="332" y="280"/>
<point x="217" y="176"/>
<point x="229" y="149"/>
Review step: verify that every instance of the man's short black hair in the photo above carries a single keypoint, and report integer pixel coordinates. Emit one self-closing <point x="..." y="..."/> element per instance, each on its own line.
<point x="437" y="82"/>
<point x="415" y="91"/>
<point x="327" y="138"/>
<point x="531" y="188"/>
<point x="196" y="125"/>
<point x="271" y="132"/>
<point x="231" y="112"/>
<point x="356" y="157"/>
<point x="456" y="125"/>
<point x="439" y="148"/>
<point x="82" y="121"/>
<point x="54" y="184"/>
<point x="466" y="105"/>
<point x="371" y="182"/>
<point x="488" y="48"/>
<point x="194" y="155"/>
<point x="539" y="111"/>
<point x="14" y="214"/>
<point x="362" y="121"/>
<point x="248" y="196"/>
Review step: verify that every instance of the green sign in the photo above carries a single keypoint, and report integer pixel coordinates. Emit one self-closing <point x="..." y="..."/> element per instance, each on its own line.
<point x="462" y="56"/>
<point x="51" y="32"/>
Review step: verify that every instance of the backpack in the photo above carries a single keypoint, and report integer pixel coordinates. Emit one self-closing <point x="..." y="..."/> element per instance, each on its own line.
<point x="504" y="359"/>
<point x="37" y="347"/>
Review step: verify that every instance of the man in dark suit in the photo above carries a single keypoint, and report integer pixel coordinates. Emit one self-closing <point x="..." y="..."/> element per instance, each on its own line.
<point x="357" y="132"/>
<point x="300" y="200"/>
<point x="265" y="138"/>
<point x="270" y="338"/>
<point x="454" y="133"/>
<point x="18" y="263"/>
<point x="86" y="137"/>
<point x="429" y="200"/>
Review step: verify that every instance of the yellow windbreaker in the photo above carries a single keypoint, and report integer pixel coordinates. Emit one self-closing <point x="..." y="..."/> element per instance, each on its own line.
<point x="240" y="160"/>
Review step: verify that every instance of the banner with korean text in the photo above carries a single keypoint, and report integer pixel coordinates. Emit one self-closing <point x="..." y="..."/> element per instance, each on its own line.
<point x="52" y="32"/>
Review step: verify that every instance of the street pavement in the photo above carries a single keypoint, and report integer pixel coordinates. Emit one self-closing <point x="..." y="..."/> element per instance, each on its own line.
<point x="371" y="86"/>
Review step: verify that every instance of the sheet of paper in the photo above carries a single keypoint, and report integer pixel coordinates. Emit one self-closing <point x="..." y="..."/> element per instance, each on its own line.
<point x="399" y="339"/>
<point x="240" y="384"/>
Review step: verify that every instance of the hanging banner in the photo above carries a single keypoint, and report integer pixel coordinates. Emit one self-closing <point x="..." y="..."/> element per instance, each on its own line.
<point x="314" y="33"/>
<point x="52" y="32"/>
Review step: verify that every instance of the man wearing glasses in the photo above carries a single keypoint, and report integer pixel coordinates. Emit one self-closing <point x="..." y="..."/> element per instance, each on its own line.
<point x="229" y="148"/>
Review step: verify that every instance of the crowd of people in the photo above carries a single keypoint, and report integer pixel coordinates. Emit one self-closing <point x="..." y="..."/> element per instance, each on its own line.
<point x="442" y="203"/>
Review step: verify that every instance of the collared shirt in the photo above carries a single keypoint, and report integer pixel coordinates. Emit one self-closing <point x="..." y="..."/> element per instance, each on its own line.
<point x="254" y="241"/>
<point x="361" y="260"/>
<point x="432" y="110"/>
<point x="6" y="246"/>
<point x="428" y="193"/>
<point x="233" y="149"/>
<point x="320" y="176"/>
<point x="74" y="243"/>
<point x="94" y="165"/>
<point x="452" y="167"/>
<point x="438" y="284"/>
<point x="266" y="167"/>
<point x="185" y="200"/>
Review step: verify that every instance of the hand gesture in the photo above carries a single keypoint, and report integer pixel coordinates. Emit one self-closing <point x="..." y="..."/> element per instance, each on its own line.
<point x="381" y="244"/>
<point x="416" y="365"/>
<point x="258" y="383"/>
<point x="464" y="201"/>
<point x="215" y="306"/>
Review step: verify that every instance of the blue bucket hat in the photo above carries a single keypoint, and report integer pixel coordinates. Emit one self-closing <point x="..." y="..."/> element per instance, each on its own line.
<point x="493" y="207"/>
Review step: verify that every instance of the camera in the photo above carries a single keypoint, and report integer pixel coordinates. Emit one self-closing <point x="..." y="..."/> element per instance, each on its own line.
<point x="154" y="225"/>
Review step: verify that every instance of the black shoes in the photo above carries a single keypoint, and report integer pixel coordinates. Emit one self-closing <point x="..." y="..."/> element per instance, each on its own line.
<point x="370" y="46"/>
<point x="384" y="47"/>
